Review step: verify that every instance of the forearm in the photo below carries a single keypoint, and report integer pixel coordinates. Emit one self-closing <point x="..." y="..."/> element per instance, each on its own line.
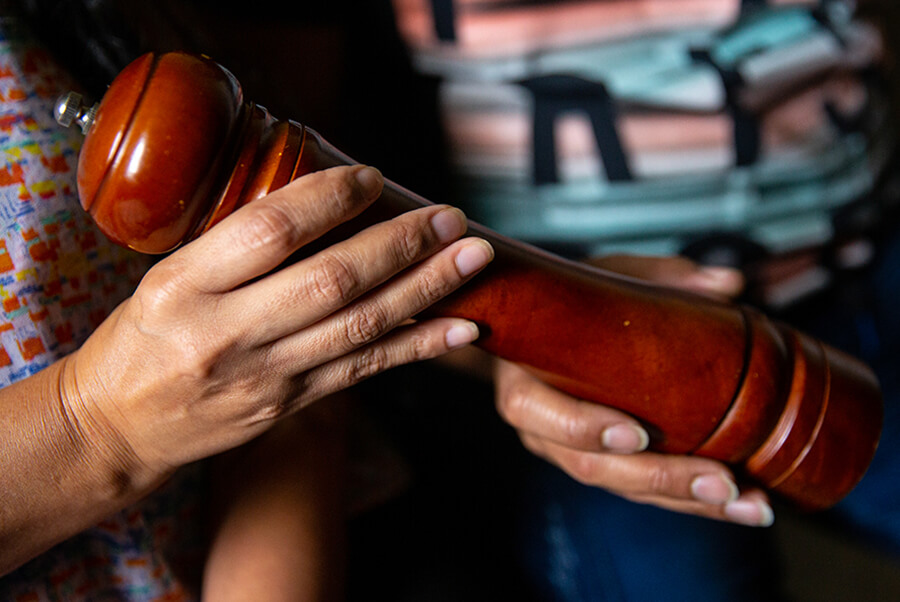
<point x="62" y="471"/>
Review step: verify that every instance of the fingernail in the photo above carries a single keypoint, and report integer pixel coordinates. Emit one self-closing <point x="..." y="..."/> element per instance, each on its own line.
<point x="474" y="256"/>
<point x="721" y="278"/>
<point x="461" y="335"/>
<point x="751" y="513"/>
<point x="448" y="224"/>
<point x="625" y="438"/>
<point x="369" y="181"/>
<point x="714" y="489"/>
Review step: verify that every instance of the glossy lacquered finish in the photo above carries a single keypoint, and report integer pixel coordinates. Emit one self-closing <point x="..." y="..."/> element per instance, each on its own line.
<point x="174" y="148"/>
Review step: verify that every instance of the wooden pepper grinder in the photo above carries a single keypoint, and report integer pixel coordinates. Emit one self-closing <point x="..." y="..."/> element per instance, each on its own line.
<point x="173" y="148"/>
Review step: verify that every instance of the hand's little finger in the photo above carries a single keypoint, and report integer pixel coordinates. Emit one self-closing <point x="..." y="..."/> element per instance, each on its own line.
<point x="589" y="475"/>
<point x="750" y="509"/>
<point x="646" y="474"/>
<point x="404" y="345"/>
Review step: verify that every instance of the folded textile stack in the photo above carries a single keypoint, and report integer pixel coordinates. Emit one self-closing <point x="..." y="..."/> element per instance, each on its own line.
<point x="717" y="128"/>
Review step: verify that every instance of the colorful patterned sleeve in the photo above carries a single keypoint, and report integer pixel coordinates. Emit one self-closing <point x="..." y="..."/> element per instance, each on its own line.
<point x="59" y="278"/>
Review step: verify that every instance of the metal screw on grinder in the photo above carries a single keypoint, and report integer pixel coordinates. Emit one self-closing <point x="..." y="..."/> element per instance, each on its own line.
<point x="70" y="109"/>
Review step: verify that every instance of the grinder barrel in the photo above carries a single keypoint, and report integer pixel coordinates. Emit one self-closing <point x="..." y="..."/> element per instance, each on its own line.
<point x="173" y="148"/>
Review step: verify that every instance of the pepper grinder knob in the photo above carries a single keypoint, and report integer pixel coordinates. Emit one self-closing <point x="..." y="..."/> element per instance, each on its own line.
<point x="70" y="108"/>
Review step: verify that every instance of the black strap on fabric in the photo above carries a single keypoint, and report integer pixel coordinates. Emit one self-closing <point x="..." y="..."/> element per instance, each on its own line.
<point x="747" y="130"/>
<point x="556" y="94"/>
<point x="444" y="20"/>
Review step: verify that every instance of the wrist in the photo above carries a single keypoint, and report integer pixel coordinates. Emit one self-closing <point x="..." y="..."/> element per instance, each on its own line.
<point x="63" y="468"/>
<point x="117" y="472"/>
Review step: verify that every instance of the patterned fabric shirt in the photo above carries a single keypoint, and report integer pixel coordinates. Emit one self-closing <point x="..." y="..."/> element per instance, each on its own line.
<point x="59" y="278"/>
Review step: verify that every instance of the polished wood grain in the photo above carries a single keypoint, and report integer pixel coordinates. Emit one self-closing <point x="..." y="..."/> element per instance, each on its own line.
<point x="174" y="148"/>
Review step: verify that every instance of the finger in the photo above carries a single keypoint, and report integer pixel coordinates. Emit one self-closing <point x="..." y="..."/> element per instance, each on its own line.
<point x="261" y="235"/>
<point x="677" y="272"/>
<point x="750" y="509"/>
<point x="645" y="474"/>
<point x="714" y="511"/>
<point x="542" y="411"/>
<point x="314" y="288"/>
<point x="406" y="344"/>
<point x="377" y="313"/>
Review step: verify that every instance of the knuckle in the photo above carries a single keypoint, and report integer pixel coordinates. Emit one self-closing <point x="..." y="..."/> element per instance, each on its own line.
<point x="660" y="480"/>
<point x="424" y="347"/>
<point x="573" y="429"/>
<point x="333" y="283"/>
<point x="369" y="362"/>
<point x="268" y="225"/>
<point x="270" y="409"/>
<point x="339" y="193"/>
<point x="408" y="242"/>
<point x="305" y="387"/>
<point x="366" y="323"/>
<point x="204" y="357"/>
<point x="160" y="291"/>
<point x="152" y="299"/>
<point x="513" y="404"/>
<point x="195" y="367"/>
<point x="259" y="396"/>
<point x="432" y="284"/>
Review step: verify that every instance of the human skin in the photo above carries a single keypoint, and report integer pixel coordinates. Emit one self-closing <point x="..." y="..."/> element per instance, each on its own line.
<point x="218" y="343"/>
<point x="278" y="510"/>
<point x="606" y="448"/>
